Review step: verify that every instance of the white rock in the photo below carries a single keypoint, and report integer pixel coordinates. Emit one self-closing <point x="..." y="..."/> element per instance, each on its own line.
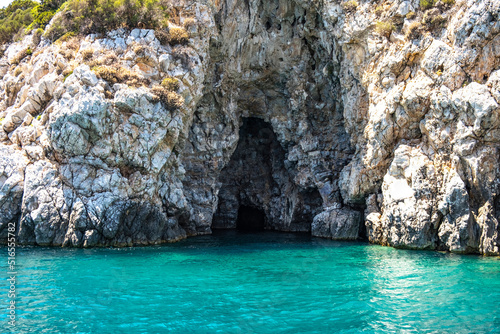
<point x="84" y="74"/>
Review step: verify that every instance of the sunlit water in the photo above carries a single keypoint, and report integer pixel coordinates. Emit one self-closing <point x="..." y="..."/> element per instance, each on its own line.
<point x="253" y="283"/>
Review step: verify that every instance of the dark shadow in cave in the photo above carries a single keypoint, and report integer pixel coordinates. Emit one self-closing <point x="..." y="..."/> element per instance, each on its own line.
<point x="257" y="190"/>
<point x="250" y="219"/>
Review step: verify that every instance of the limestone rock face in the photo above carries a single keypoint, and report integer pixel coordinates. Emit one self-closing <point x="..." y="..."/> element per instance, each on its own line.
<point x="303" y="111"/>
<point x="12" y="166"/>
<point x="337" y="224"/>
<point x="408" y="217"/>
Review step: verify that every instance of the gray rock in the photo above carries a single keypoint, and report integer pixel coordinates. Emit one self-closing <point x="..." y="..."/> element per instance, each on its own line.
<point x="455" y="231"/>
<point x="337" y="224"/>
<point x="85" y="75"/>
<point x="12" y="166"/>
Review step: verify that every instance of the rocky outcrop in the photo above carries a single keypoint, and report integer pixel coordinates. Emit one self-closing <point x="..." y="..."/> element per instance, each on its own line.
<point x="428" y="137"/>
<point x="337" y="224"/>
<point x="314" y="115"/>
<point x="269" y="62"/>
<point x="102" y="158"/>
<point x="12" y="166"/>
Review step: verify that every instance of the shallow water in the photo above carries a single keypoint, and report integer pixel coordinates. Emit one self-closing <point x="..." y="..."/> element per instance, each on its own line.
<point x="253" y="283"/>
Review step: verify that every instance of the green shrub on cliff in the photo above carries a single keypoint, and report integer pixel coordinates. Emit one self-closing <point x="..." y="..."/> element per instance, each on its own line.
<point x="44" y="12"/>
<point x="414" y="31"/>
<point x="178" y="35"/>
<point x="171" y="84"/>
<point x="86" y="17"/>
<point x="411" y="15"/>
<point x="114" y="74"/>
<point x="426" y="4"/>
<point x="14" y="19"/>
<point x="434" y="21"/>
<point x="100" y="16"/>
<point x="25" y="15"/>
<point x="384" y="28"/>
<point x="173" y="36"/>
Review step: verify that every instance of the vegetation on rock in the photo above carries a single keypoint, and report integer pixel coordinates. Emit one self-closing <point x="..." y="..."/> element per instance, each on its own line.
<point x="379" y="10"/>
<point x="170" y="99"/>
<point x="14" y="19"/>
<point x="163" y="36"/>
<point x="433" y="21"/>
<point x="87" y="54"/>
<point x="21" y="55"/>
<point x="73" y="17"/>
<point x="178" y="35"/>
<point x="411" y="15"/>
<point x="18" y="71"/>
<point x="44" y="12"/>
<point x="22" y="15"/>
<point x="426" y="4"/>
<point x="99" y="16"/>
<point x="414" y="30"/>
<point x="350" y="6"/>
<point x="384" y="28"/>
<point x="189" y="22"/>
<point x="114" y="74"/>
<point x="173" y="36"/>
<point x="171" y="84"/>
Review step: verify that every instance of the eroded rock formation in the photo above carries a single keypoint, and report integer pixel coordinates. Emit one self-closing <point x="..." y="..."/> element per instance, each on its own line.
<point x="312" y="115"/>
<point x="256" y="176"/>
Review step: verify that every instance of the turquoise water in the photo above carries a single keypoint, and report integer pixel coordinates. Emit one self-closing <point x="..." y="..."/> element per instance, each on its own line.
<point x="253" y="283"/>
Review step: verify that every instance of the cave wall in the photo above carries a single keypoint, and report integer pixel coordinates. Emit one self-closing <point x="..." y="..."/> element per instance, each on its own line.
<point x="256" y="176"/>
<point x="269" y="62"/>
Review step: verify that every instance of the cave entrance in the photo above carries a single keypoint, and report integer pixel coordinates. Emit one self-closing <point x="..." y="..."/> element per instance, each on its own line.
<point x="257" y="191"/>
<point x="247" y="181"/>
<point x="250" y="219"/>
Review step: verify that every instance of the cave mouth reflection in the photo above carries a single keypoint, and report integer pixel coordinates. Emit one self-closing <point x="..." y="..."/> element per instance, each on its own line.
<point x="250" y="219"/>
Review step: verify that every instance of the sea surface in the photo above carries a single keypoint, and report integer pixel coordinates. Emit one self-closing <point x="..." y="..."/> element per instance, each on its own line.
<point x="269" y="282"/>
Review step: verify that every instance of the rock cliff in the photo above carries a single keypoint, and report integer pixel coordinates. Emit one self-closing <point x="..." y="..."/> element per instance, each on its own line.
<point x="375" y="120"/>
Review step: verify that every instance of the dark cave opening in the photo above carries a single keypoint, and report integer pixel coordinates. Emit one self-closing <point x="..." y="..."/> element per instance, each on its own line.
<point x="247" y="182"/>
<point x="250" y="219"/>
<point x="257" y="191"/>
